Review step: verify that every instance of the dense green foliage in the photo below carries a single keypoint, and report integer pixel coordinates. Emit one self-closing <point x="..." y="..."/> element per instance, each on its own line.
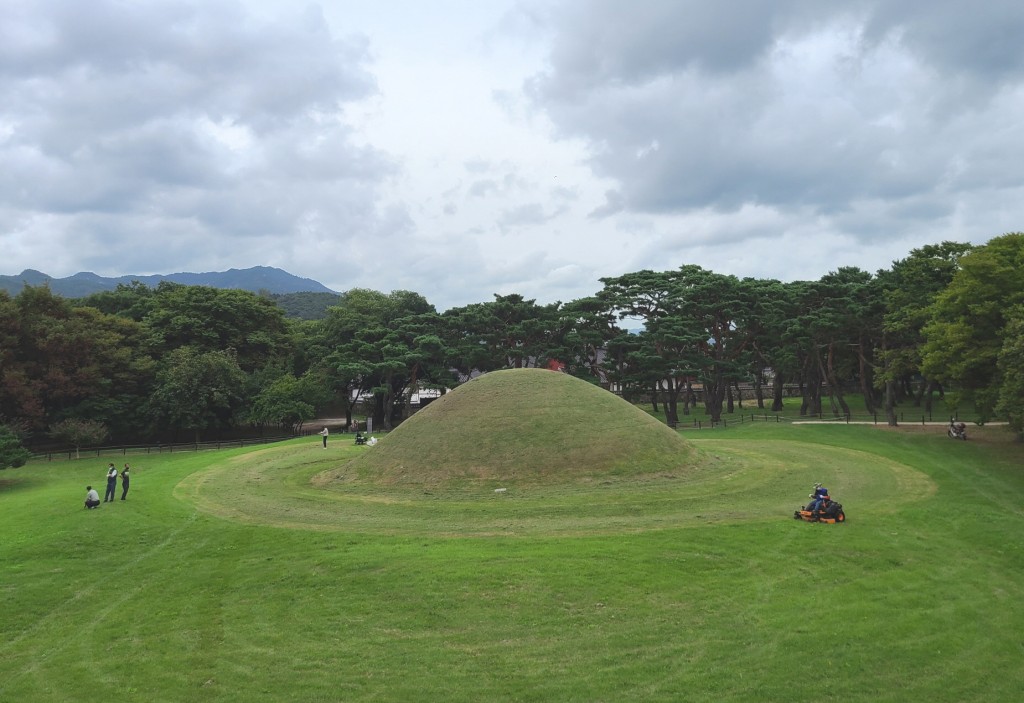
<point x="972" y="318"/>
<point x="180" y="361"/>
<point x="59" y="361"/>
<point x="197" y="389"/>
<point x="79" y="432"/>
<point x="12" y="453"/>
<point x="305" y="306"/>
<point x="1011" y="369"/>
<point x="382" y="346"/>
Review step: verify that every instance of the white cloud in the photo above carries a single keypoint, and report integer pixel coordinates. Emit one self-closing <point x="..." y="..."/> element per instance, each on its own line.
<point x="190" y="128"/>
<point x="465" y="149"/>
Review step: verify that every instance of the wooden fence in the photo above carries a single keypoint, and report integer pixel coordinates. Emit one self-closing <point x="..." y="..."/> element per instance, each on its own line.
<point x="69" y="454"/>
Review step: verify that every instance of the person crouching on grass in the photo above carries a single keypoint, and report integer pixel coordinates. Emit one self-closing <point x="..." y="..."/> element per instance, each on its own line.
<point x="92" y="498"/>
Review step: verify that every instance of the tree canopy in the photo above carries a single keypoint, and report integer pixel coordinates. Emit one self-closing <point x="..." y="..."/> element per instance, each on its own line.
<point x="970" y="318"/>
<point x="12" y="453"/>
<point x="155" y="362"/>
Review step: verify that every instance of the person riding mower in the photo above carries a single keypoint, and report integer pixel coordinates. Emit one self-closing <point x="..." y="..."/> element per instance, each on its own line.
<point x="957" y="430"/>
<point x="821" y="508"/>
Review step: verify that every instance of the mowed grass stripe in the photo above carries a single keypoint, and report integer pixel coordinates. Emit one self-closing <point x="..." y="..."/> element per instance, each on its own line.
<point x="900" y="604"/>
<point x="738" y="481"/>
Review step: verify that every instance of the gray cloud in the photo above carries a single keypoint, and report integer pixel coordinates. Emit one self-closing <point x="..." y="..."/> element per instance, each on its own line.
<point x="523" y="215"/>
<point x="482" y="188"/>
<point x="605" y="44"/>
<point x="494" y="179"/>
<point x="526" y="146"/>
<point x="793" y="105"/>
<point x="959" y="37"/>
<point x="191" y="124"/>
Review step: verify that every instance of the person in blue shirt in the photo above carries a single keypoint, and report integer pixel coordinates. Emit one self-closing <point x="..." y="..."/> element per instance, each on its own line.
<point x="817" y="498"/>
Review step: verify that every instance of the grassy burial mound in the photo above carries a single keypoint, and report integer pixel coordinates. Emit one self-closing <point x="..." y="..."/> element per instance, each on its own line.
<point x="528" y="425"/>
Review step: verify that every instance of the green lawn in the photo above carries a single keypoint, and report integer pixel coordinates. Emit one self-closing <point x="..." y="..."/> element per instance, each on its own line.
<point x="272" y="574"/>
<point x="906" y="413"/>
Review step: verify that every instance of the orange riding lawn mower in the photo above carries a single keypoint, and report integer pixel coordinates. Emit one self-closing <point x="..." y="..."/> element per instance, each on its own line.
<point x="821" y="508"/>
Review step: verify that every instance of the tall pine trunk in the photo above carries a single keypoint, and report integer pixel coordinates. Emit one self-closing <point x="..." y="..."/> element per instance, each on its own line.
<point x="671" y="402"/>
<point x="714" y="394"/>
<point x="835" y="389"/>
<point x="867" y="386"/>
<point x="778" y="389"/>
<point x="890" y="403"/>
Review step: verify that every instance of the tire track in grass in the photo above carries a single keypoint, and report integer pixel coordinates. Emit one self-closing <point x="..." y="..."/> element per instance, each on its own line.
<point x="740" y="480"/>
<point x="71" y="609"/>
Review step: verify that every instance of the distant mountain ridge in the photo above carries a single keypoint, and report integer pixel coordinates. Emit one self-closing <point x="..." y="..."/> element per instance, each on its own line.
<point x="255" y="279"/>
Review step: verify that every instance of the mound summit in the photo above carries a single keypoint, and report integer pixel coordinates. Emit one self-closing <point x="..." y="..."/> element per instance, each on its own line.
<point x="532" y="425"/>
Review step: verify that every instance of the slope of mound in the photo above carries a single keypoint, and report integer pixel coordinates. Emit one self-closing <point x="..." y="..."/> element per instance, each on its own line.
<point x="525" y="424"/>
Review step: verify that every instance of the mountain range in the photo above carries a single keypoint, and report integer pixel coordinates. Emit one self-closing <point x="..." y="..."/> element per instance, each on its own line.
<point x="255" y="279"/>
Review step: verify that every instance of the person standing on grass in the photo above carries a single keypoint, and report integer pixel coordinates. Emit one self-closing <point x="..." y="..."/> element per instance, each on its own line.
<point x="111" y="483"/>
<point x="323" y="433"/>
<point x="92" y="498"/>
<point x="124" y="482"/>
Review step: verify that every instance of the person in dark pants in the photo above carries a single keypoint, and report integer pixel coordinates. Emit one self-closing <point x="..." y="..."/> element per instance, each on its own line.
<point x="92" y="498"/>
<point x="124" y="482"/>
<point x="817" y="498"/>
<point x="111" y="484"/>
<point x="324" y="433"/>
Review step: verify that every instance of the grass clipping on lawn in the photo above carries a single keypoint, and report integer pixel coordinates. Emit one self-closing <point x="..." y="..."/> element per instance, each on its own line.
<point x="525" y="425"/>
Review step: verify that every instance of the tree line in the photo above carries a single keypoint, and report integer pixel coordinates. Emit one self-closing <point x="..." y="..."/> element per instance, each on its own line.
<point x="141" y="363"/>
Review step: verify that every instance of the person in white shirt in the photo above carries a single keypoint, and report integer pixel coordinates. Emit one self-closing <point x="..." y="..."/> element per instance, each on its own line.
<point x="92" y="498"/>
<point x="111" y="483"/>
<point x="323" y="433"/>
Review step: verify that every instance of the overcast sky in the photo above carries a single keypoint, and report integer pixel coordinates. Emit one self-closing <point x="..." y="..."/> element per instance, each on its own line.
<point x="462" y="148"/>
